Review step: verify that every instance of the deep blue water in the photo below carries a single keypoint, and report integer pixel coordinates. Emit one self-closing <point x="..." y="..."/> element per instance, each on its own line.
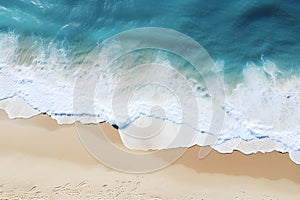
<point x="234" y="32"/>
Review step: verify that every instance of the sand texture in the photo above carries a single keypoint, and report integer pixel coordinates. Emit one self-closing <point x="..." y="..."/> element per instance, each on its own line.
<point x="40" y="159"/>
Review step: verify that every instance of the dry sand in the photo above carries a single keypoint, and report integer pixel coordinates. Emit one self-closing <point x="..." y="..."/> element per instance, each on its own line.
<point x="40" y="159"/>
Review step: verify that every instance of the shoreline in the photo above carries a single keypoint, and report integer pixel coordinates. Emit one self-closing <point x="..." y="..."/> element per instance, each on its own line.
<point x="40" y="157"/>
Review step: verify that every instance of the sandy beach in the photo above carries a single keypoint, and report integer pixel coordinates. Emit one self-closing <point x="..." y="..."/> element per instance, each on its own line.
<point x="40" y="159"/>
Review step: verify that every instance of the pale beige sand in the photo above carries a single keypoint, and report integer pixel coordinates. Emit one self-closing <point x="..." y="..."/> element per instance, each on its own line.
<point x="42" y="160"/>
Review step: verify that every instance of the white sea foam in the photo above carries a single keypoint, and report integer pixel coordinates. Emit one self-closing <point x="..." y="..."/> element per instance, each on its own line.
<point x="262" y="112"/>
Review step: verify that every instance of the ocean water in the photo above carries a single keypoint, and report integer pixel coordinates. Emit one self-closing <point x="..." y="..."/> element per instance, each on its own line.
<point x="58" y="57"/>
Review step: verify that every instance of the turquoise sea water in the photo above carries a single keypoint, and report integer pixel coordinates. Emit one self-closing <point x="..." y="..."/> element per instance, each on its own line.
<point x="254" y="44"/>
<point x="233" y="31"/>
